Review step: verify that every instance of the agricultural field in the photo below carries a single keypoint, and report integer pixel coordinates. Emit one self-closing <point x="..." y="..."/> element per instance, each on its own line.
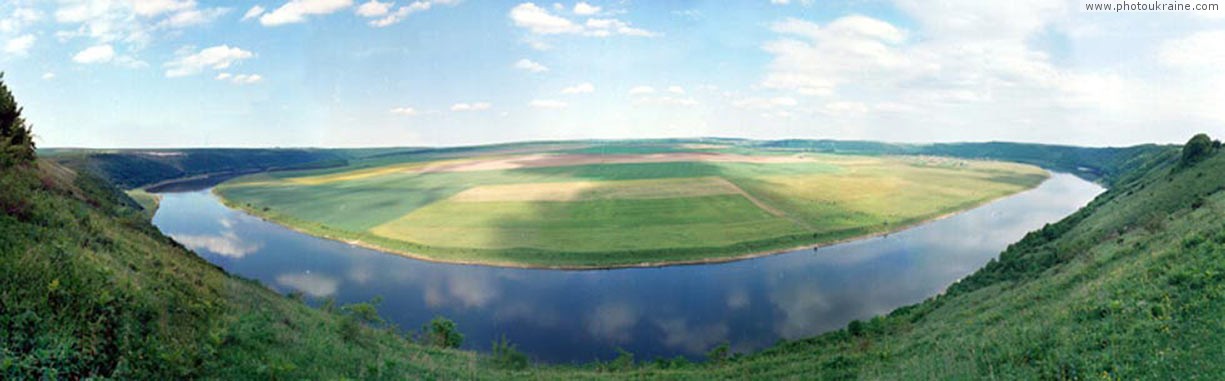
<point x="621" y="205"/>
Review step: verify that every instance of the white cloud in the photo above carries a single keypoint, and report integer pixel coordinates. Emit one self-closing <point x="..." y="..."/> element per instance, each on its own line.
<point x="1204" y="49"/>
<point x="529" y="65"/>
<point x="401" y="13"/>
<point x="130" y="22"/>
<point x="582" y="88"/>
<point x="642" y="90"/>
<point x="48" y="76"/>
<point x="756" y="103"/>
<point x="150" y="8"/>
<point x="296" y="11"/>
<point x="405" y="111"/>
<point x="548" y="103"/>
<point x="478" y="106"/>
<point x="676" y="89"/>
<point x="217" y="57"/>
<point x="95" y="54"/>
<point x="20" y="45"/>
<point x="254" y="12"/>
<point x="192" y="17"/>
<point x="583" y="9"/>
<point x="540" y="21"/>
<point x="239" y="79"/>
<point x="374" y="8"/>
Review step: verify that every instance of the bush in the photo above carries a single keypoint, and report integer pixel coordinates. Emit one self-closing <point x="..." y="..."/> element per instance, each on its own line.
<point x="505" y="355"/>
<point x="719" y="354"/>
<point x="1196" y="149"/>
<point x="443" y="333"/>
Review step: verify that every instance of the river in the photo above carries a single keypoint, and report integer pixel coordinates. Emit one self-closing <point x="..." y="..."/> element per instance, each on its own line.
<point x="579" y="316"/>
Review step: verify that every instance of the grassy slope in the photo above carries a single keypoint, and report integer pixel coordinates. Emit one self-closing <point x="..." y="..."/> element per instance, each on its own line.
<point x="89" y="288"/>
<point x="839" y="198"/>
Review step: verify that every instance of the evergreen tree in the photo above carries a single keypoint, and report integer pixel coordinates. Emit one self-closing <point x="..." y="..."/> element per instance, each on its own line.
<point x="16" y="140"/>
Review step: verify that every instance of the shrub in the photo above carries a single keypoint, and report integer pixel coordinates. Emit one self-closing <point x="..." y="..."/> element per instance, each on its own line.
<point x="443" y="333"/>
<point x="1196" y="149"/>
<point x="505" y="355"/>
<point x="718" y="355"/>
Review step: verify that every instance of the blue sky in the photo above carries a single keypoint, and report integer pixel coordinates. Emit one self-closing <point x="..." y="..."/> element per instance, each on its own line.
<point x="179" y="73"/>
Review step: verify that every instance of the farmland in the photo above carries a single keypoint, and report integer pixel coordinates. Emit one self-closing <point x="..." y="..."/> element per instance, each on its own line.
<point x="618" y="205"/>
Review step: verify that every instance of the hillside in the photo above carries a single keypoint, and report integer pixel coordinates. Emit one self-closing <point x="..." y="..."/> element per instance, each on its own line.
<point x="1129" y="287"/>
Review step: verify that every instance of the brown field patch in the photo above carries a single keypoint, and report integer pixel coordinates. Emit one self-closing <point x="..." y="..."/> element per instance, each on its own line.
<point x="560" y="160"/>
<point x="599" y="190"/>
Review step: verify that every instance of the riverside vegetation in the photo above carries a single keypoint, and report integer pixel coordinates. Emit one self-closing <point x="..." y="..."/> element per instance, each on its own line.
<point x="1129" y="287"/>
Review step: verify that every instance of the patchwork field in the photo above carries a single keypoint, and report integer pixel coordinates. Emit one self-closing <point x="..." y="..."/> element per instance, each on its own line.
<point x="620" y="205"/>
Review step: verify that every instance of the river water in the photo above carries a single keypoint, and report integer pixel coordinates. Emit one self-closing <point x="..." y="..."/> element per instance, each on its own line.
<point x="579" y="316"/>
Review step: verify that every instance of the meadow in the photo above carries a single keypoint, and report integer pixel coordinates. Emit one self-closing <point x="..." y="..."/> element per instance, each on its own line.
<point x="619" y="205"/>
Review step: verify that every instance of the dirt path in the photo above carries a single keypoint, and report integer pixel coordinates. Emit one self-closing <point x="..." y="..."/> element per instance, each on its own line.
<point x="766" y="207"/>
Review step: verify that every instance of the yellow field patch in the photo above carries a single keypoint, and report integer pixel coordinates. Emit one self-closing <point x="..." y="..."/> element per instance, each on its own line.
<point x="598" y="190"/>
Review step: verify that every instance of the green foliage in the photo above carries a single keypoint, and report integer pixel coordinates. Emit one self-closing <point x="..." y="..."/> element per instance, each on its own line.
<point x="1196" y="149"/>
<point x="719" y="354"/>
<point x="16" y="138"/>
<point x="442" y="333"/>
<point x="506" y="356"/>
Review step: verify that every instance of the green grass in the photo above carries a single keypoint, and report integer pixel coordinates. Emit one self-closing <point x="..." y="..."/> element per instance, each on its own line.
<point x="148" y="201"/>
<point x="770" y="206"/>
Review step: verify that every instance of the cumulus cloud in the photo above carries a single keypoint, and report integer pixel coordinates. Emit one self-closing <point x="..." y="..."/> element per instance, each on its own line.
<point x="477" y="106"/>
<point x="582" y="88"/>
<point x="386" y="17"/>
<point x="217" y="57"/>
<point x="129" y="21"/>
<point x="529" y="65"/>
<point x="95" y="55"/>
<point x="540" y="21"/>
<point x="374" y="8"/>
<point x="20" y="45"/>
<point x="296" y="11"/>
<point x="548" y="103"/>
<point x="239" y="79"/>
<point x="676" y="89"/>
<point x="254" y="12"/>
<point x="583" y="9"/>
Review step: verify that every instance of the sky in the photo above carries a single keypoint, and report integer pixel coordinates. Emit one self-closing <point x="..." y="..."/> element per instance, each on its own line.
<point x="367" y="73"/>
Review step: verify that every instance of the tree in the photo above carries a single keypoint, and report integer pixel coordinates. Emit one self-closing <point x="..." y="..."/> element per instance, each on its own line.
<point x="1196" y="149"/>
<point x="16" y="140"/>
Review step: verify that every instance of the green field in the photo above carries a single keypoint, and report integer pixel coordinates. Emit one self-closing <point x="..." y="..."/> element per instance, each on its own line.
<point x="620" y="205"/>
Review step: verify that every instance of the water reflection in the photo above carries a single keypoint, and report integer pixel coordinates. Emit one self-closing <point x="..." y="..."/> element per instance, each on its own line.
<point x="561" y="316"/>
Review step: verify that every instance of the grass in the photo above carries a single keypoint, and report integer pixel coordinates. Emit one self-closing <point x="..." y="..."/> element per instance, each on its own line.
<point x="621" y="214"/>
<point x="148" y="201"/>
